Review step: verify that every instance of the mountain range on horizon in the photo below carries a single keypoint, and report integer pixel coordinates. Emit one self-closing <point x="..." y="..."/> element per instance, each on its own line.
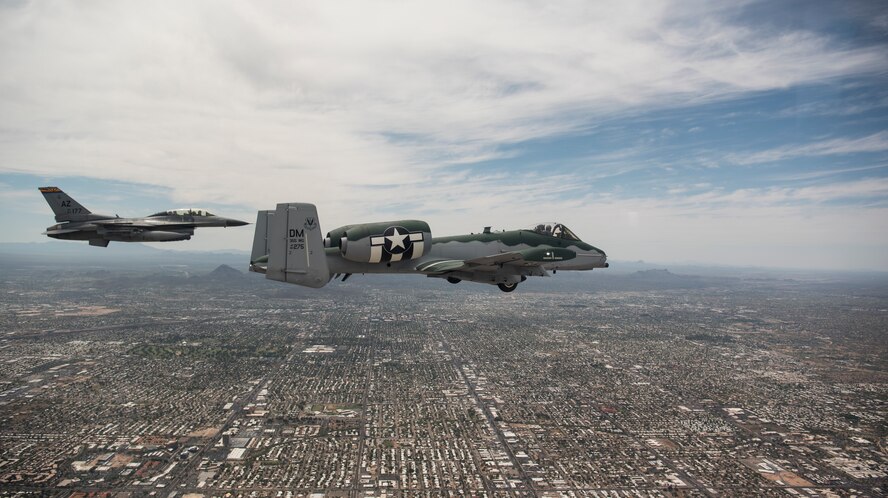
<point x="146" y="256"/>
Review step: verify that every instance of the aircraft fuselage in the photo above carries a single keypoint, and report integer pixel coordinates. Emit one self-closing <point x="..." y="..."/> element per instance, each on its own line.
<point x="471" y="246"/>
<point x="79" y="223"/>
<point x="289" y="246"/>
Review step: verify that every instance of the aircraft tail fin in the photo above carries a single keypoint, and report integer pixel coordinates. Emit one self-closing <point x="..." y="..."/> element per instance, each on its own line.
<point x="295" y="247"/>
<point x="64" y="207"/>
<point x="259" y="254"/>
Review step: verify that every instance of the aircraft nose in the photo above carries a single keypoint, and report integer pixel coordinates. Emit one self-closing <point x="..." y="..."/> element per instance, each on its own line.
<point x="230" y="222"/>
<point x="602" y="258"/>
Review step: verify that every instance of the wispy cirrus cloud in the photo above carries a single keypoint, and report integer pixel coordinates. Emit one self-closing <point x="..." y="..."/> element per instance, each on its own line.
<point x="876" y="142"/>
<point x="313" y="93"/>
<point x="815" y="175"/>
<point x="853" y="192"/>
<point x="368" y="107"/>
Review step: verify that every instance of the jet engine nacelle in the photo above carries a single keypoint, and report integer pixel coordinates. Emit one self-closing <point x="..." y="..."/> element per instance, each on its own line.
<point x="382" y="242"/>
<point x="149" y="236"/>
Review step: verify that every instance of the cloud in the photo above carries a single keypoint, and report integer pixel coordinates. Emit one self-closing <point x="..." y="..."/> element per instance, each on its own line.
<point x="290" y="98"/>
<point x="865" y="103"/>
<point x="370" y="107"/>
<point x="812" y="175"/>
<point x="854" y="192"/>
<point x="837" y="226"/>
<point x="876" y="142"/>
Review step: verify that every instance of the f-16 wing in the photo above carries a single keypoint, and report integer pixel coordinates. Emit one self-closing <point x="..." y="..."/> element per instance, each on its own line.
<point x="133" y="228"/>
<point x="139" y="224"/>
<point x="59" y="231"/>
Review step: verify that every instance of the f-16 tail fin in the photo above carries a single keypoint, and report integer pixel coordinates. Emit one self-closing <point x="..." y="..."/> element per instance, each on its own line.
<point x="64" y="207"/>
<point x="293" y="245"/>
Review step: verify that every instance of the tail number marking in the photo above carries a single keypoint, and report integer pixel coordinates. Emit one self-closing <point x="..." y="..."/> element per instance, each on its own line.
<point x="297" y="239"/>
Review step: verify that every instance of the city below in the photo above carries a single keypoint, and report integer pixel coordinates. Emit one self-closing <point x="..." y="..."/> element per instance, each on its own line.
<point x="185" y="376"/>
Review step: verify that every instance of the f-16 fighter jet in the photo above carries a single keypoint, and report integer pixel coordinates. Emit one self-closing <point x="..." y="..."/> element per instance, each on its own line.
<point x="78" y="223"/>
<point x="288" y="246"/>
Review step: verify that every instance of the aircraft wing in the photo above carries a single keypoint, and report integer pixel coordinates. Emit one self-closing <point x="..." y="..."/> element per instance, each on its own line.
<point x="137" y="226"/>
<point x="126" y="225"/>
<point x="59" y="231"/>
<point x="527" y="259"/>
<point x="441" y="266"/>
<point x="511" y="258"/>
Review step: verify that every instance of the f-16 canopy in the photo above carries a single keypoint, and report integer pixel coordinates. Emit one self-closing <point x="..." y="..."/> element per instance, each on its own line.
<point x="184" y="212"/>
<point x="554" y="230"/>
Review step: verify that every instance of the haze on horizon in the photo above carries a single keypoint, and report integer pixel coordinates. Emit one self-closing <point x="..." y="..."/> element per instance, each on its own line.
<point x="731" y="133"/>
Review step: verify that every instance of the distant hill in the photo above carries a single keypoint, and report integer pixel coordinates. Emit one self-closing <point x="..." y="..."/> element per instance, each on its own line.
<point x="664" y="279"/>
<point x="130" y="265"/>
<point x="55" y="247"/>
<point x="70" y="255"/>
<point x="643" y="280"/>
<point x="225" y="272"/>
<point x="656" y="275"/>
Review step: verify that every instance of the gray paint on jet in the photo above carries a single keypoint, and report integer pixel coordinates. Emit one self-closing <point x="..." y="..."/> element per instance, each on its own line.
<point x="79" y="223"/>
<point x="288" y="246"/>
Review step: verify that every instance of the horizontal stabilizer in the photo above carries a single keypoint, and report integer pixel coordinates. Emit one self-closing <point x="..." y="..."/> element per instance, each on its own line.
<point x="259" y="254"/>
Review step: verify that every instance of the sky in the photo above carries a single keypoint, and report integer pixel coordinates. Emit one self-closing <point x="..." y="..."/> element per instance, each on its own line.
<point x="743" y="133"/>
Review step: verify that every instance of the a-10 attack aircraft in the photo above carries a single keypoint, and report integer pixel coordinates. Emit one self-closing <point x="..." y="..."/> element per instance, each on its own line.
<point x="288" y="247"/>
<point x="78" y="223"/>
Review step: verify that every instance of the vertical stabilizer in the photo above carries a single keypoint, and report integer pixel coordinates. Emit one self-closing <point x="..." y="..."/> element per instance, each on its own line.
<point x="64" y="207"/>
<point x="259" y="254"/>
<point x="295" y="247"/>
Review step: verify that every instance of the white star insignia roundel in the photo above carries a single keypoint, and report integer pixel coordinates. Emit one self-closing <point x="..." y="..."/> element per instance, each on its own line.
<point x="396" y="244"/>
<point x="396" y="240"/>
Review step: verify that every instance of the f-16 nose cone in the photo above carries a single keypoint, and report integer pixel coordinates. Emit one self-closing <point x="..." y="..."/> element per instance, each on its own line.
<point x="235" y="223"/>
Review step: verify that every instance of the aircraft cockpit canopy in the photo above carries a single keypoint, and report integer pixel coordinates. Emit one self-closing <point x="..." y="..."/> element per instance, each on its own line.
<point x="184" y="212"/>
<point x="554" y="230"/>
